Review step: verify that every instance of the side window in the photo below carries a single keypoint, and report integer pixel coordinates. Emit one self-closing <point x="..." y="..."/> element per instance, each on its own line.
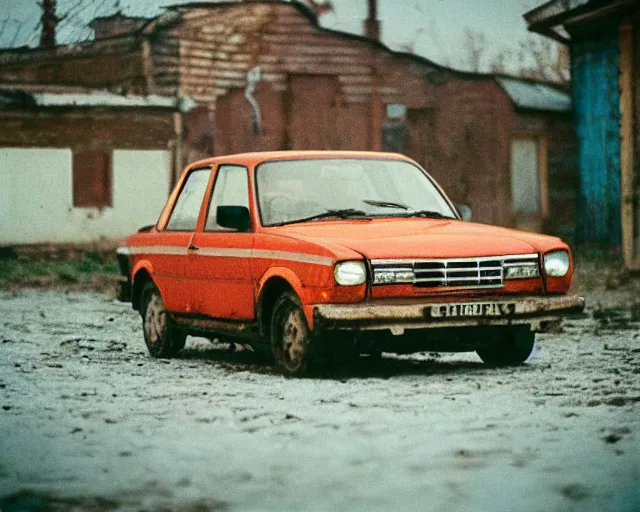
<point x="184" y="216"/>
<point x="231" y="189"/>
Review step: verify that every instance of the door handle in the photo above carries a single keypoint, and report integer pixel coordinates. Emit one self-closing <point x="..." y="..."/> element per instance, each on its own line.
<point x="193" y="247"/>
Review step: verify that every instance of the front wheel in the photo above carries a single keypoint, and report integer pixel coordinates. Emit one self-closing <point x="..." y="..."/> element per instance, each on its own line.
<point x="291" y="340"/>
<point x="162" y="336"/>
<point x="510" y="347"/>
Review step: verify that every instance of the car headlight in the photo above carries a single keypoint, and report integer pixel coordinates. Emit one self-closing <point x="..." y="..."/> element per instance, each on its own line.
<point x="350" y="273"/>
<point x="556" y="263"/>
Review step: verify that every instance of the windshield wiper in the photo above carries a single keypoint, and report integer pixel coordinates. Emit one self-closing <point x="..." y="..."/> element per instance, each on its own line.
<point x="386" y="204"/>
<point x="341" y="214"/>
<point x="427" y="214"/>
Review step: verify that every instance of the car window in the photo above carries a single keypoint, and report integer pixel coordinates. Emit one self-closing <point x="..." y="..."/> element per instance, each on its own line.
<point x="231" y="189"/>
<point x="184" y="216"/>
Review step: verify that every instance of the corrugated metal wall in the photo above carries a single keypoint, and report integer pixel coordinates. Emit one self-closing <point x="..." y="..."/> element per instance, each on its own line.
<point x="597" y="119"/>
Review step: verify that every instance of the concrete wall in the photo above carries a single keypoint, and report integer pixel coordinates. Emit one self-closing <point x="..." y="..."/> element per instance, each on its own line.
<point x="36" y="203"/>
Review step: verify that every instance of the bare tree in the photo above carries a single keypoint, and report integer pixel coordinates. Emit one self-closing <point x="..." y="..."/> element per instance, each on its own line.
<point x="69" y="17"/>
<point x="544" y="59"/>
<point x="428" y="29"/>
<point x="536" y="57"/>
<point x="475" y="49"/>
<point x="502" y="61"/>
<point x="8" y="24"/>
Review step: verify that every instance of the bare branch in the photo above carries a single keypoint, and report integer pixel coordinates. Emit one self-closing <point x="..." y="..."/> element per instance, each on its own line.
<point x="429" y="29"/>
<point x="544" y="59"/>
<point x="501" y="61"/>
<point x="475" y="48"/>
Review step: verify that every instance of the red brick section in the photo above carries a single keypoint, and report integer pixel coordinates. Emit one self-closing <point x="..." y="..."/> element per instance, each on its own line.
<point x="86" y="130"/>
<point x="114" y="64"/>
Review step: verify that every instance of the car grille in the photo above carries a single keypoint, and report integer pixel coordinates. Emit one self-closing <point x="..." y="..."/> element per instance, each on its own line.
<point x="455" y="273"/>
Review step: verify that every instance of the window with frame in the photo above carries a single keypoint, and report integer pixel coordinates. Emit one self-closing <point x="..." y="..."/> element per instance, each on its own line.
<point x="92" y="179"/>
<point x="184" y="216"/>
<point x="394" y="128"/>
<point x="231" y="189"/>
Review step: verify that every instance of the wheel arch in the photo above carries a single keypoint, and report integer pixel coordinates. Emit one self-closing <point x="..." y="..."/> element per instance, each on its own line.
<point x="273" y="286"/>
<point x="141" y="275"/>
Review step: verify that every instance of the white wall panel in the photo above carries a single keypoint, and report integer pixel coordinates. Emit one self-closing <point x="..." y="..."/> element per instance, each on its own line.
<point x="36" y="204"/>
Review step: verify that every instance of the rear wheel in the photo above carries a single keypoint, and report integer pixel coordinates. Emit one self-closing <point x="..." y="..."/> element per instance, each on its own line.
<point x="162" y="336"/>
<point x="291" y="340"/>
<point x="510" y="347"/>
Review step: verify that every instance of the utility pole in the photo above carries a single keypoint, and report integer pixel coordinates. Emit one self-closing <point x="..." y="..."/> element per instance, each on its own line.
<point x="49" y="23"/>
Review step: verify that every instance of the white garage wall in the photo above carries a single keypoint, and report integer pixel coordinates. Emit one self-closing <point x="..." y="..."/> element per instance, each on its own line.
<point x="35" y="195"/>
<point x="36" y="202"/>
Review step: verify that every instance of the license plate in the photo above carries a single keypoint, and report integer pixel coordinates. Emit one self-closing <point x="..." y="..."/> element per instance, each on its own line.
<point x="471" y="310"/>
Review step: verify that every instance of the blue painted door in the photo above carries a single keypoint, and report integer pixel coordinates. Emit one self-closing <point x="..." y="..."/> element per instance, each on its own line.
<point x="597" y="117"/>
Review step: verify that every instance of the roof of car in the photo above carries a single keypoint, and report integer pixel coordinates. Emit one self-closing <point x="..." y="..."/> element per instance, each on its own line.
<point x="258" y="157"/>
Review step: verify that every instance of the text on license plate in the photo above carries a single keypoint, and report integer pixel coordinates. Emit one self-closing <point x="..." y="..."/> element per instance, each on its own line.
<point x="473" y="309"/>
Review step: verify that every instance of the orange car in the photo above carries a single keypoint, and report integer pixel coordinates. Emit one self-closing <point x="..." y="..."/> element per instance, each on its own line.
<point x="313" y="255"/>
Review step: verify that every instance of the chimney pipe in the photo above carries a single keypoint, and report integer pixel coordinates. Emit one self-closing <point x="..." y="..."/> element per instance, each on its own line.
<point x="49" y="23"/>
<point x="372" y="24"/>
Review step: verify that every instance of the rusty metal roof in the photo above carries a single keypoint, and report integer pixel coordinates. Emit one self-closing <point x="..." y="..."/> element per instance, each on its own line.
<point x="548" y="19"/>
<point x="535" y="95"/>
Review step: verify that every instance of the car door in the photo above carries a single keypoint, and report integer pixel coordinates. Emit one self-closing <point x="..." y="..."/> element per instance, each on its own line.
<point x="219" y="258"/>
<point x="170" y="245"/>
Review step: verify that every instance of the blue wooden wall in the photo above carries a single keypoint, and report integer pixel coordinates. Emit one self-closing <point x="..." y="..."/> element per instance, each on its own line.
<point x="597" y="118"/>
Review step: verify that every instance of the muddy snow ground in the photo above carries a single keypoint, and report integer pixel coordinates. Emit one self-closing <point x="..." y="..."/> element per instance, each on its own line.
<point x="89" y="422"/>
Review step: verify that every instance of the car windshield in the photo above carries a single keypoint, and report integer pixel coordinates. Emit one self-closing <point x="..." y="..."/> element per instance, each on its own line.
<point x="309" y="190"/>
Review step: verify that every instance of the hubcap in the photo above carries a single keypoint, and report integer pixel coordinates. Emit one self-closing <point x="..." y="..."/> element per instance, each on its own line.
<point x="293" y="339"/>
<point x="155" y="320"/>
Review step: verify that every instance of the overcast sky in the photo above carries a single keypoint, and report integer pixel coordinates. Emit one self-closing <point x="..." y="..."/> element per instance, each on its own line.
<point x="435" y="28"/>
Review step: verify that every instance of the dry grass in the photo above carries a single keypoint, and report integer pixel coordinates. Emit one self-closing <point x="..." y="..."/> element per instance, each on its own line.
<point x="87" y="271"/>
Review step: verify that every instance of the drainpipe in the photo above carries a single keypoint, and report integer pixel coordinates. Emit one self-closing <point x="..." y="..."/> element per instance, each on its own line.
<point x="253" y="78"/>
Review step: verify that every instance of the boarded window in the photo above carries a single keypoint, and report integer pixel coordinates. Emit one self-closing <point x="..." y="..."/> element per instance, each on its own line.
<point x="420" y="132"/>
<point x="393" y="135"/>
<point x="92" y="179"/>
<point x="525" y="179"/>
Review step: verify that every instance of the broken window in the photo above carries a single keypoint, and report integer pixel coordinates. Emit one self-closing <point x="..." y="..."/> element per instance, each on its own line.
<point x="92" y="172"/>
<point x="393" y="128"/>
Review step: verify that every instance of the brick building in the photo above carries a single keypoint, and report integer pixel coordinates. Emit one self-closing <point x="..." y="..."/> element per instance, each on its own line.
<point x="266" y="76"/>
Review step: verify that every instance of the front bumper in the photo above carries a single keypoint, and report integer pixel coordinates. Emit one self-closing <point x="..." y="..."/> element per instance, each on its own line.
<point x="381" y="315"/>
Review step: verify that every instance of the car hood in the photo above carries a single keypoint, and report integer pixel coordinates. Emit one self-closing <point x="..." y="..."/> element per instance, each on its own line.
<point x="420" y="238"/>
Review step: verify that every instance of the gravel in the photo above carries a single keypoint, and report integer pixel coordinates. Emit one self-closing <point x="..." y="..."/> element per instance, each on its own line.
<point x="88" y="421"/>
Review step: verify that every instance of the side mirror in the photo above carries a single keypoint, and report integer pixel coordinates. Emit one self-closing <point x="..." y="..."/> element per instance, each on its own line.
<point x="233" y="217"/>
<point x="465" y="211"/>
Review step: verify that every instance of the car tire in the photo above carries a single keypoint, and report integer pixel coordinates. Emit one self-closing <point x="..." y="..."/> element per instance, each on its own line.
<point x="161" y="334"/>
<point x="510" y="347"/>
<point x="291" y="339"/>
